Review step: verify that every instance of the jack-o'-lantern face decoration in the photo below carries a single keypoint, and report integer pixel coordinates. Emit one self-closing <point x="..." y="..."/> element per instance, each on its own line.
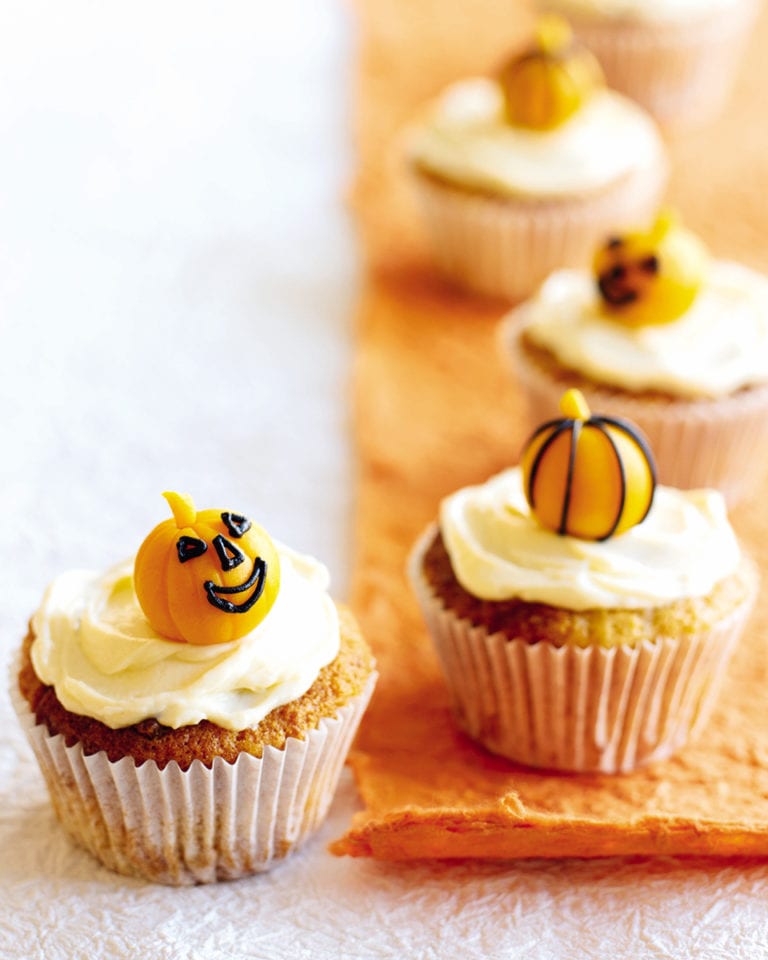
<point x="206" y="577"/>
<point x="550" y="81"/>
<point x="650" y="277"/>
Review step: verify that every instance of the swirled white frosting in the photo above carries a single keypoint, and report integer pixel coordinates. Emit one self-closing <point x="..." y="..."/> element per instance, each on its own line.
<point x="647" y="11"/>
<point x="499" y="551"/>
<point x="94" y="645"/>
<point x="718" y="346"/>
<point x="465" y="139"/>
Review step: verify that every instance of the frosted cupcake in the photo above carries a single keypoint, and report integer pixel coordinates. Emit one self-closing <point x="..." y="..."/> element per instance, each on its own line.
<point x="677" y="58"/>
<point x="661" y="334"/>
<point x="521" y="174"/>
<point x="583" y="617"/>
<point x="191" y="712"/>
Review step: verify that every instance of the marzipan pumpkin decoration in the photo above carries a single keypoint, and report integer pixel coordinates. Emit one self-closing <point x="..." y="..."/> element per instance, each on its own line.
<point x="205" y="577"/>
<point x="651" y="277"/>
<point x="588" y="476"/>
<point x="548" y="83"/>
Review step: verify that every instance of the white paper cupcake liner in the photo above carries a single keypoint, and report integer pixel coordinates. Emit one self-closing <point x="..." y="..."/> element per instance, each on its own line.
<point x="682" y="73"/>
<point x="203" y="824"/>
<point x="504" y="247"/>
<point x="712" y="442"/>
<point x="594" y="709"/>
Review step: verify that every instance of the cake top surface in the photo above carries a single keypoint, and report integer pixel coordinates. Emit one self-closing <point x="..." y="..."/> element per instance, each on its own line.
<point x="465" y="139"/>
<point x="717" y="346"/>
<point x="499" y="551"/>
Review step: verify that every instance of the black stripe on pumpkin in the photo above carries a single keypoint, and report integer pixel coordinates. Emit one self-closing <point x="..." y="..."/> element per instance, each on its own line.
<point x="548" y="425"/>
<point x="575" y="434"/>
<point x="560" y="426"/>
<point x="601" y="426"/>
<point x="631" y="431"/>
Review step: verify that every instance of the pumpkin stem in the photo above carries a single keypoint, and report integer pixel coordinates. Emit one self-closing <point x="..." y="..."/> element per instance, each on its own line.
<point x="182" y="507"/>
<point x="574" y="406"/>
<point x="553" y="34"/>
<point x="665" y="221"/>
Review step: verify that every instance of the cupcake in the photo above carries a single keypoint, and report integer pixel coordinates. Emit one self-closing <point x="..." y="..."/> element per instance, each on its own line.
<point x="191" y="710"/>
<point x="582" y="615"/>
<point x="677" y="58"/>
<point x="523" y="173"/>
<point x="659" y="333"/>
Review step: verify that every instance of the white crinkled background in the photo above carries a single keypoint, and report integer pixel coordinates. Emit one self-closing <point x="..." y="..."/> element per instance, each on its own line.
<point x="177" y="277"/>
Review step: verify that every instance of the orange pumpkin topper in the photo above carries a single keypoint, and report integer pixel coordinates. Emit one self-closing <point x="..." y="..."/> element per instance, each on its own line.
<point x="588" y="476"/>
<point x="205" y="577"/>
<point x="549" y="82"/>
<point x="653" y="276"/>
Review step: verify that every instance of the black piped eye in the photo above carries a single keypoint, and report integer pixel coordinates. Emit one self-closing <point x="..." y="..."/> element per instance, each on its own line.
<point x="236" y="523"/>
<point x="229" y="555"/>
<point x="650" y="264"/>
<point x="614" y="243"/>
<point x="190" y="547"/>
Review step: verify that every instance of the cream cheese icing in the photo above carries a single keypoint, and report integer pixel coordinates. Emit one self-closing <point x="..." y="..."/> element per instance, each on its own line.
<point x="94" y="645"/>
<point x="718" y="346"/>
<point x="649" y="11"/>
<point x="464" y="138"/>
<point x="498" y="551"/>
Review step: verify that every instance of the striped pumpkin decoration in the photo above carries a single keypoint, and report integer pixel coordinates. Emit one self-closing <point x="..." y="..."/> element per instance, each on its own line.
<point x="585" y="476"/>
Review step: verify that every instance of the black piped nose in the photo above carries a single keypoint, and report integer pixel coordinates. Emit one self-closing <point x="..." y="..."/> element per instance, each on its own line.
<point x="229" y="555"/>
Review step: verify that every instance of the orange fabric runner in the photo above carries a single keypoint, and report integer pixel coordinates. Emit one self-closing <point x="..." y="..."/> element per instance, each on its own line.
<point x="435" y="411"/>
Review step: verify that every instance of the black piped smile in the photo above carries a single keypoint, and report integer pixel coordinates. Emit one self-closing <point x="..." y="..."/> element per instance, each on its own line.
<point x="217" y="594"/>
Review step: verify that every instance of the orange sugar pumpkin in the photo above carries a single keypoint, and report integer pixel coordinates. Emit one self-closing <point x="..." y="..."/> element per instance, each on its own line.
<point x="650" y="277"/>
<point x="205" y="577"/>
<point x="588" y="476"/>
<point x="548" y="83"/>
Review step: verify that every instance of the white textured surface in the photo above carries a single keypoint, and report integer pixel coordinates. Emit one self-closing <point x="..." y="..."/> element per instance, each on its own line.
<point x="176" y="278"/>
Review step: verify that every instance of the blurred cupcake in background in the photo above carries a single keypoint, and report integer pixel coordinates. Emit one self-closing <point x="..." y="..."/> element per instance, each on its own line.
<point x="662" y="334"/>
<point x="678" y="58"/>
<point x="522" y="173"/>
<point x="583" y="616"/>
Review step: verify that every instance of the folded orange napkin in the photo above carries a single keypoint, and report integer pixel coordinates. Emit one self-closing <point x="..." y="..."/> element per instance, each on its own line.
<point x="435" y="410"/>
